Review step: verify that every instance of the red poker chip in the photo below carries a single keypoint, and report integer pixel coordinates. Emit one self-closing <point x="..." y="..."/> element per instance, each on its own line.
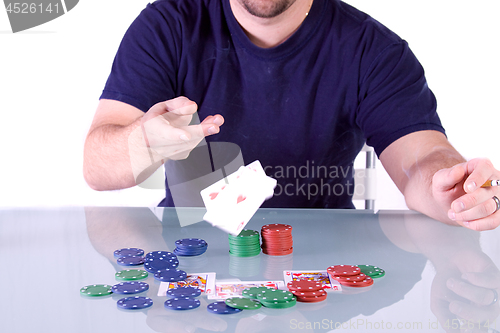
<point x="313" y="299"/>
<point x="278" y="253"/>
<point x="304" y="285"/>
<point x="350" y="278"/>
<point x="343" y="270"/>
<point x="365" y="283"/>
<point x="308" y="293"/>
<point x="277" y="227"/>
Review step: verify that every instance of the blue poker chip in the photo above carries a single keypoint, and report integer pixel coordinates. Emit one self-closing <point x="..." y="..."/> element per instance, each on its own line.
<point x="190" y="243"/>
<point x="187" y="291"/>
<point x="129" y="251"/>
<point x="158" y="265"/>
<point x="160" y="254"/>
<point x="221" y="308"/>
<point x="171" y="275"/>
<point x="133" y="303"/>
<point x="130" y="261"/>
<point x="190" y="247"/>
<point x="187" y="253"/>
<point x="182" y="303"/>
<point x="130" y="287"/>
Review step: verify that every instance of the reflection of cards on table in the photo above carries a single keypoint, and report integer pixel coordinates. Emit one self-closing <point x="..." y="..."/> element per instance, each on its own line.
<point x="225" y="290"/>
<point x="329" y="285"/>
<point x="232" y="201"/>
<point x="203" y="281"/>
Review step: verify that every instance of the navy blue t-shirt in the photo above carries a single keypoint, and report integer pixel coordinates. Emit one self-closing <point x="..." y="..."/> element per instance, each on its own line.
<point x="305" y="105"/>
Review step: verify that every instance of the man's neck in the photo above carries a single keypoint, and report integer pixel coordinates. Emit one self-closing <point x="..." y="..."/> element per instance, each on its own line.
<point x="270" y="32"/>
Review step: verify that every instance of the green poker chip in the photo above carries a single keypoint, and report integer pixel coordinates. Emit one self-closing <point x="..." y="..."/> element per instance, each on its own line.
<point x="243" y="303"/>
<point x="275" y="295"/>
<point x="372" y="271"/>
<point x="131" y="275"/>
<point x="96" y="290"/>
<point x="245" y="244"/>
<point x="280" y="305"/>
<point x="253" y="292"/>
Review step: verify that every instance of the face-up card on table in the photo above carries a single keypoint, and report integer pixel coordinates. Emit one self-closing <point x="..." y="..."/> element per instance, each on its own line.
<point x="329" y="285"/>
<point x="226" y="289"/>
<point x="203" y="281"/>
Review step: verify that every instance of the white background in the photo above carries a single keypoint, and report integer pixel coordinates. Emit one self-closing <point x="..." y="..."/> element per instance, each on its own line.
<point x="51" y="77"/>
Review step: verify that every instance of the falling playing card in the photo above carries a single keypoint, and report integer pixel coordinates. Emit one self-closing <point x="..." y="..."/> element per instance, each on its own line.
<point x="232" y="201"/>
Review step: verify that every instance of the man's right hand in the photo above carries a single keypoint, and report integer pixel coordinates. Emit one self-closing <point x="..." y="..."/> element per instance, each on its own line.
<point x="124" y="145"/>
<point x="166" y="130"/>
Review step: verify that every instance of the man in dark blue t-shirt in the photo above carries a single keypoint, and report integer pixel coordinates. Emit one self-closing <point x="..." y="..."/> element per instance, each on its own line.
<point x="299" y="85"/>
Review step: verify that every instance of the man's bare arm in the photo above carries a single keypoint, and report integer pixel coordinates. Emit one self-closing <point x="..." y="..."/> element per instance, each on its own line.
<point x="125" y="146"/>
<point x="437" y="181"/>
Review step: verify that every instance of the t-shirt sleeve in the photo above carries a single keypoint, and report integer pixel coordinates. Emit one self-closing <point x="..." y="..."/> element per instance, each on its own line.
<point x="394" y="98"/>
<point x="144" y="68"/>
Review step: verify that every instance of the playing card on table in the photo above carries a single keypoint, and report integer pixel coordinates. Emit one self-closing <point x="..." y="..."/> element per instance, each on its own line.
<point x="329" y="285"/>
<point x="226" y="289"/>
<point x="232" y="201"/>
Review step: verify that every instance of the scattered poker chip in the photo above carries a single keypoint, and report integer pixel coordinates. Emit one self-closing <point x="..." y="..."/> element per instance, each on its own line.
<point x="130" y="260"/>
<point x="190" y="247"/>
<point x="222" y="308"/>
<point x="252" y="292"/>
<point x="277" y="239"/>
<point x="130" y="287"/>
<point x="131" y="274"/>
<point x="95" y="290"/>
<point x="307" y="290"/>
<point x="275" y="295"/>
<point x="187" y="291"/>
<point x="279" y="305"/>
<point x="243" y="303"/>
<point x="372" y="271"/>
<point x="310" y="296"/>
<point x="368" y="281"/>
<point x="129" y="251"/>
<point x="343" y="270"/>
<point x="182" y="303"/>
<point x="170" y="275"/>
<point x="350" y="278"/>
<point x="305" y="294"/>
<point x="304" y="285"/>
<point x="245" y="244"/>
<point x="158" y="265"/>
<point x="134" y="303"/>
<point x="312" y="299"/>
<point x="159" y="255"/>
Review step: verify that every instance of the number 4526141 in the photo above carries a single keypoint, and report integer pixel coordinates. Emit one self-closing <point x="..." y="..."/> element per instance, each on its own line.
<point x="31" y="8"/>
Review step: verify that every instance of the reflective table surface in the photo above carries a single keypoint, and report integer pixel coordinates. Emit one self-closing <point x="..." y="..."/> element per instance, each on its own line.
<point x="438" y="278"/>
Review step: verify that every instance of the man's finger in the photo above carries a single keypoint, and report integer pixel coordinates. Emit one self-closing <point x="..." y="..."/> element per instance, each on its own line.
<point x="479" y="171"/>
<point x="447" y="179"/>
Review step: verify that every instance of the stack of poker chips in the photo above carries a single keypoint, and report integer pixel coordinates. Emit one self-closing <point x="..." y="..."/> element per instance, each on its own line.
<point x="245" y="244"/>
<point x="349" y="276"/>
<point x="183" y="298"/>
<point x="130" y="256"/>
<point x="270" y="297"/>
<point x="190" y="247"/>
<point x="277" y="239"/>
<point x="307" y="290"/>
<point x="163" y="265"/>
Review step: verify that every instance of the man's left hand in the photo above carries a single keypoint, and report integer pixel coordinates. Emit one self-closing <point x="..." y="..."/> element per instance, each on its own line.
<point x="471" y="205"/>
